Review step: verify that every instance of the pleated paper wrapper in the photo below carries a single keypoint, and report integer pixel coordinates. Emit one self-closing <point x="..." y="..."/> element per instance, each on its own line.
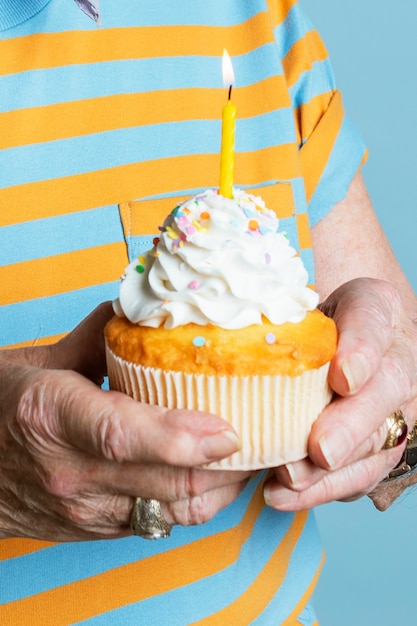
<point x="272" y="415"/>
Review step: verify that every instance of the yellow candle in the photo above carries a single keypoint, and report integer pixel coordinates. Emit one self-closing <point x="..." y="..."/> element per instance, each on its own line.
<point x="227" y="155"/>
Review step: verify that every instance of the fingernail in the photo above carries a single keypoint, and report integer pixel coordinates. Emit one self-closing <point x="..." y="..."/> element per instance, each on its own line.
<point x="279" y="498"/>
<point x="220" y="445"/>
<point x="356" y="371"/>
<point x="267" y="495"/>
<point x="292" y="474"/>
<point x="335" y="447"/>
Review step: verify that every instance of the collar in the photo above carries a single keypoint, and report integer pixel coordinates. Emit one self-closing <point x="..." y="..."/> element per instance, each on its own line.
<point x="14" y="12"/>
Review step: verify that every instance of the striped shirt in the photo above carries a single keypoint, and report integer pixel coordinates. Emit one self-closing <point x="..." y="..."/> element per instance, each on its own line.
<point x="101" y="132"/>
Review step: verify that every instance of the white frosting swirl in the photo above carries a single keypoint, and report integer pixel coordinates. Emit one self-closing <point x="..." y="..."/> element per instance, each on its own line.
<point x="218" y="261"/>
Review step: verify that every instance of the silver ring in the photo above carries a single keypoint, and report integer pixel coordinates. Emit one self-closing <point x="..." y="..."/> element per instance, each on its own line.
<point x="147" y="520"/>
<point x="397" y="430"/>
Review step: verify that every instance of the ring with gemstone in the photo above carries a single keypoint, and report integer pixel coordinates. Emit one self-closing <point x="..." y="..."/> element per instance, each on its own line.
<point x="397" y="430"/>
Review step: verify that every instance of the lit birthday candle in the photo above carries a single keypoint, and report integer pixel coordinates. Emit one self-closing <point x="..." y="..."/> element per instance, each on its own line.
<point x="227" y="156"/>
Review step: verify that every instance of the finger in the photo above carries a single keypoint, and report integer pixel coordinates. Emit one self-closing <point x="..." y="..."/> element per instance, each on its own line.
<point x="159" y="481"/>
<point x="82" y="350"/>
<point x="116" y="428"/>
<point x="97" y="517"/>
<point x="303" y="474"/>
<point x="352" y="481"/>
<point x="366" y="329"/>
<point x="346" y="423"/>
<point x="109" y="516"/>
<point x="200" y="509"/>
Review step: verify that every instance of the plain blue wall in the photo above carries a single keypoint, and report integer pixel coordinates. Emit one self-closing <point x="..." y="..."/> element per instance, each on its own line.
<point x="368" y="578"/>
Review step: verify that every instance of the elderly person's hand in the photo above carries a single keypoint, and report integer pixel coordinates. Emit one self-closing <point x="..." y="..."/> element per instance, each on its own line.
<point x="74" y="457"/>
<point x="373" y="373"/>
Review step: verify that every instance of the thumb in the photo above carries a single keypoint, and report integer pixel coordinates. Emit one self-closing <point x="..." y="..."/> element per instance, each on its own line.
<point x="82" y="350"/>
<point x="364" y="311"/>
<point x="113" y="426"/>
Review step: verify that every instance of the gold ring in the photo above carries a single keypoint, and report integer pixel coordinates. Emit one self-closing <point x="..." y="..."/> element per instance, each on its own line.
<point x="147" y="520"/>
<point x="397" y="430"/>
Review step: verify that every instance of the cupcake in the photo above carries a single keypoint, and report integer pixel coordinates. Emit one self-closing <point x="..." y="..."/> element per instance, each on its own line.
<point x="217" y="316"/>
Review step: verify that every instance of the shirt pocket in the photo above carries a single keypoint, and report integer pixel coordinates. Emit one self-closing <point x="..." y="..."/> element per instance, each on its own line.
<point x="141" y="218"/>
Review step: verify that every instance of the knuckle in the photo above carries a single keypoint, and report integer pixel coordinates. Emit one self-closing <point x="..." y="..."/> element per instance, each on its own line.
<point x="110" y="438"/>
<point x="59" y="483"/>
<point x="192" y="511"/>
<point x="79" y="513"/>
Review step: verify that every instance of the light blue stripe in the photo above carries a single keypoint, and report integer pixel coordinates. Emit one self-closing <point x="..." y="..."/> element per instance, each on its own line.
<point x="119" y="147"/>
<point x="288" y="226"/>
<point x="193" y="12"/>
<point x="64" y="15"/>
<point x="307" y="258"/>
<point x="312" y="83"/>
<point x="195" y="602"/>
<point x="87" y="81"/>
<point x="192" y="603"/>
<point x="293" y="28"/>
<point x="304" y="564"/>
<point x="345" y="159"/>
<point x="59" y="235"/>
<point x="86" y="559"/>
<point x="43" y="317"/>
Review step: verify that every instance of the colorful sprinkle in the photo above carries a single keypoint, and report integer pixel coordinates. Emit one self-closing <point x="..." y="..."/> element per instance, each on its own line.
<point x="199" y="341"/>
<point x="267" y="258"/>
<point x="140" y="269"/>
<point x="205" y="215"/>
<point x="253" y="224"/>
<point x="194" y="284"/>
<point x="183" y="221"/>
<point x="171" y="233"/>
<point x="270" y="338"/>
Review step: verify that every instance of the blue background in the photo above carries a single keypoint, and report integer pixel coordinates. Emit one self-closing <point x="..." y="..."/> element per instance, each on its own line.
<point x="368" y="578"/>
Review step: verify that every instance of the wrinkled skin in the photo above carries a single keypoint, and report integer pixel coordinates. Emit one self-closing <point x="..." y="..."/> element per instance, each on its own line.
<point x="73" y="457"/>
<point x="372" y="373"/>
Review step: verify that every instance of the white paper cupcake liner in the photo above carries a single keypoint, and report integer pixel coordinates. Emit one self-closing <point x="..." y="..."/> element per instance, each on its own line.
<point x="272" y="415"/>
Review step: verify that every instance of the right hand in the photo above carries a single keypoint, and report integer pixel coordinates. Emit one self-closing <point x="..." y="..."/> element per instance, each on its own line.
<point x="73" y="457"/>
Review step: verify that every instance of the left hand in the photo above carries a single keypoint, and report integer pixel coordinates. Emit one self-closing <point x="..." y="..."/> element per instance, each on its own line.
<point x="373" y="373"/>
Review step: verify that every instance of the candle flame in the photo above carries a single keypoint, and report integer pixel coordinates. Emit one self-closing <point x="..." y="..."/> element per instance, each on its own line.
<point x="227" y="70"/>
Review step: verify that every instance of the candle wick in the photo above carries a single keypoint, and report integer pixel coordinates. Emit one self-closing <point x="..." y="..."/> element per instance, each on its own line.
<point x="230" y="92"/>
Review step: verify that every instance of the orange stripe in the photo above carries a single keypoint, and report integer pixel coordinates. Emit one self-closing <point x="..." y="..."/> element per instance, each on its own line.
<point x="278" y="10"/>
<point x="263" y="589"/>
<point x="71" y="271"/>
<point x="137" y="180"/>
<point x="12" y="548"/>
<point x="42" y="341"/>
<point x="291" y="619"/>
<point x="303" y="228"/>
<point x="85" y="117"/>
<point x="136" y="581"/>
<point x="298" y="60"/>
<point x="112" y="44"/>
<point x="309" y="113"/>
<point x="317" y="150"/>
